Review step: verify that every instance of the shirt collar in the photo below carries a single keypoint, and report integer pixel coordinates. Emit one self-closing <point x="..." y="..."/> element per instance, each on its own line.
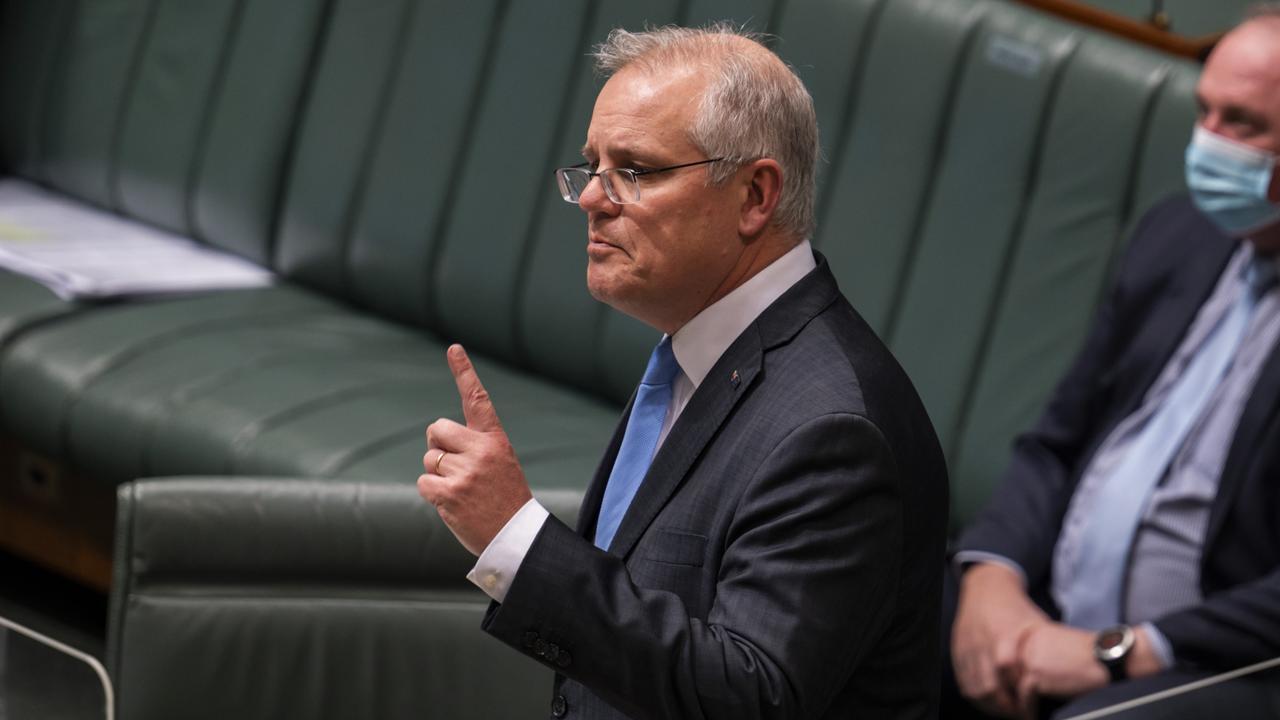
<point x="702" y="340"/>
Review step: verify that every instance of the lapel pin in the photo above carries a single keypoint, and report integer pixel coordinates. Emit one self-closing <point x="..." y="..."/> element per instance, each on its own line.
<point x="735" y="379"/>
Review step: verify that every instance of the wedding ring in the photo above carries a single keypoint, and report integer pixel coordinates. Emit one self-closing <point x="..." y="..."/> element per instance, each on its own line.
<point x="440" y="459"/>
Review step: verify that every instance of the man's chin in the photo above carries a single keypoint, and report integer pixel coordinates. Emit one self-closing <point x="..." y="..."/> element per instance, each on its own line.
<point x="606" y="288"/>
<point x="598" y="287"/>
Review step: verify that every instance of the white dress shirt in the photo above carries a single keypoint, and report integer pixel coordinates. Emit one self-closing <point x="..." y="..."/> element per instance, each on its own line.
<point x="697" y="346"/>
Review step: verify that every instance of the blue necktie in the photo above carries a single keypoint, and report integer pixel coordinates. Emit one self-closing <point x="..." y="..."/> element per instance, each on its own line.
<point x="1094" y="597"/>
<point x="638" y="441"/>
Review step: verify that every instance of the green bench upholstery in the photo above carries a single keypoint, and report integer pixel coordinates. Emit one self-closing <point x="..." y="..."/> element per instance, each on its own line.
<point x="369" y="619"/>
<point x="391" y="161"/>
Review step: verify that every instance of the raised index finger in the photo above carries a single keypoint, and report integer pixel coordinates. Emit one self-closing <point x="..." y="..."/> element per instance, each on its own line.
<point x="477" y="408"/>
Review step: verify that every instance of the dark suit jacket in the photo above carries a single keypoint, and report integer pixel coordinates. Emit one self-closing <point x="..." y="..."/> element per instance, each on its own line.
<point x="1169" y="270"/>
<point x="780" y="558"/>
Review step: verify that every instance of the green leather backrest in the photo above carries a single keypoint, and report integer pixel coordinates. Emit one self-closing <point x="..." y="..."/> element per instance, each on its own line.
<point x="504" y="183"/>
<point x="178" y="114"/>
<point x="884" y="165"/>
<point x="383" y="135"/>
<point x="30" y="34"/>
<point x="86" y="96"/>
<point x="1081" y="204"/>
<point x="558" y="324"/>
<point x="993" y="162"/>
<point x="206" y="129"/>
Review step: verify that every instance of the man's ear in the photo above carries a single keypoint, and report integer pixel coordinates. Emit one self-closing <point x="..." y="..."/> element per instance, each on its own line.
<point x="763" y="181"/>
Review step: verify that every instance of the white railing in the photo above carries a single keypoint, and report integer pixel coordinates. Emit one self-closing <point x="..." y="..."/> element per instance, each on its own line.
<point x="107" y="694"/>
<point x="1111" y="710"/>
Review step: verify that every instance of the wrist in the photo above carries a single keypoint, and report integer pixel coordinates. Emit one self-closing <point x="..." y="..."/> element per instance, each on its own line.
<point x="1142" y="660"/>
<point x="991" y="574"/>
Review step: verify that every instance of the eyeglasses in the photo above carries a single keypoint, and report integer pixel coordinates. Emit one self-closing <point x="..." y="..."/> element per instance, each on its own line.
<point x="622" y="185"/>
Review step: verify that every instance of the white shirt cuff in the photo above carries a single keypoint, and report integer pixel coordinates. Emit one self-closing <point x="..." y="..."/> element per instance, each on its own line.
<point x="968" y="557"/>
<point x="1159" y="645"/>
<point x="497" y="565"/>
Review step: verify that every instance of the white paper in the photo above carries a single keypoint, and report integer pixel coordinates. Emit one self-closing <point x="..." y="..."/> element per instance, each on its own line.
<point x="81" y="252"/>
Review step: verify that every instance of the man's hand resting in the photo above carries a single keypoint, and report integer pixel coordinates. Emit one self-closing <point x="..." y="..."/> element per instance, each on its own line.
<point x="993" y="616"/>
<point x="1057" y="661"/>
<point x="472" y="475"/>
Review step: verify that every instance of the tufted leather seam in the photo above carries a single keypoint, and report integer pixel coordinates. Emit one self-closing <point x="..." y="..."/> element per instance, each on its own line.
<point x="205" y="130"/>
<point x="926" y="197"/>
<point x="99" y="368"/>
<point x="113" y="196"/>
<point x="1016" y="238"/>
<point x="853" y="94"/>
<point x="521" y="344"/>
<point x="202" y="387"/>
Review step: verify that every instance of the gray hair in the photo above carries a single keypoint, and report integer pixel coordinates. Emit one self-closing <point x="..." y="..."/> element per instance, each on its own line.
<point x="754" y="106"/>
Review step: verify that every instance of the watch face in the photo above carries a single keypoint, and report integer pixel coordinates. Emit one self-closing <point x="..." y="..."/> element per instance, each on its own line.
<point x="1110" y="639"/>
<point x="1112" y="644"/>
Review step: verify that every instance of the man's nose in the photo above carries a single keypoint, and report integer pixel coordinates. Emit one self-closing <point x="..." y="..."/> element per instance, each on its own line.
<point x="594" y="198"/>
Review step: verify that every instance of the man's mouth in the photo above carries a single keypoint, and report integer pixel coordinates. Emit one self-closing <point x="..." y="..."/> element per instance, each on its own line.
<point x="597" y="241"/>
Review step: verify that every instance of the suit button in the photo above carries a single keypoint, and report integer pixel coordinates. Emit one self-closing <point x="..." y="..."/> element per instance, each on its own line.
<point x="530" y="638"/>
<point x="540" y="647"/>
<point x="563" y="659"/>
<point x="559" y="707"/>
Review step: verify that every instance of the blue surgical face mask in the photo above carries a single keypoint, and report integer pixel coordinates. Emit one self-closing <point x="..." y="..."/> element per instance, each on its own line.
<point x="1229" y="182"/>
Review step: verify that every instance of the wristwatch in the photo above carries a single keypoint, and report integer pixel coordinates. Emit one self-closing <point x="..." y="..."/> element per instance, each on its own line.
<point x="1111" y="647"/>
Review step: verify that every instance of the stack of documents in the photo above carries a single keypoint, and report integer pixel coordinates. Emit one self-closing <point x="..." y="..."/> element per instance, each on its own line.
<point x="81" y="252"/>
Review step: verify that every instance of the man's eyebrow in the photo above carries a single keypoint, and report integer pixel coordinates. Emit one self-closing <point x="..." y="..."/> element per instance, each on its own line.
<point x="620" y="152"/>
<point x="1239" y="114"/>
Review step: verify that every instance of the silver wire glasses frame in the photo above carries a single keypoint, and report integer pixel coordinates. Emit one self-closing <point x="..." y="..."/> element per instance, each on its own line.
<point x="622" y="185"/>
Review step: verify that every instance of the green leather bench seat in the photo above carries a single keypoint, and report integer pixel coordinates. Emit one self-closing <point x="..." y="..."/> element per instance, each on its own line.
<point x="272" y="381"/>
<point x="392" y="162"/>
<point x="324" y="625"/>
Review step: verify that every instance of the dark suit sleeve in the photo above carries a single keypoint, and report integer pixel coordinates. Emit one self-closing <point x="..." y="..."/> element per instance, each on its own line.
<point x="805" y="586"/>
<point x="1230" y="629"/>
<point x="1023" y="518"/>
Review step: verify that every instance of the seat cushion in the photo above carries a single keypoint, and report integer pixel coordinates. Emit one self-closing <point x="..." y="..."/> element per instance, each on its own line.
<point x="274" y="381"/>
<point x="25" y="302"/>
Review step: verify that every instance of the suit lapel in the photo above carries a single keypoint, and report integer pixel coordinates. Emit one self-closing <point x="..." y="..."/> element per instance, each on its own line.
<point x="714" y="399"/>
<point x="1164" y="330"/>
<point x="713" y="402"/>
<point x="1259" y="410"/>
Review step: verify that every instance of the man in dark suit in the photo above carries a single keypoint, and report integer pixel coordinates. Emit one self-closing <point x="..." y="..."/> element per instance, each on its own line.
<point x="762" y="536"/>
<point x="1133" y="545"/>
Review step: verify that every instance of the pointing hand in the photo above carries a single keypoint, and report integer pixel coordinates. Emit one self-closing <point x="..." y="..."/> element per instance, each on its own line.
<point x="472" y="475"/>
